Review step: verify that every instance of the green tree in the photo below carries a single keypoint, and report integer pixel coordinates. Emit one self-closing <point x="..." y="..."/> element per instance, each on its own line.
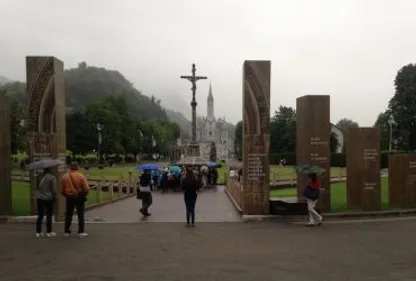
<point x="344" y="124"/>
<point x="402" y="107"/>
<point x="283" y="130"/>
<point x="334" y="143"/>
<point x="238" y="140"/>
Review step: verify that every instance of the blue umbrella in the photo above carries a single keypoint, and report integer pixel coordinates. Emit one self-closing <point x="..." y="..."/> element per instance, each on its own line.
<point x="175" y="169"/>
<point x="148" y="166"/>
<point x="211" y="164"/>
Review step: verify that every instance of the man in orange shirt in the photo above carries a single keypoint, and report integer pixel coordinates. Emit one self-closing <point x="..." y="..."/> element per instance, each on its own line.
<point x="75" y="189"/>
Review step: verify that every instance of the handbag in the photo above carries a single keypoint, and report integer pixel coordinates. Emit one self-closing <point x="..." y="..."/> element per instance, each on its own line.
<point x="139" y="194"/>
<point x="82" y="195"/>
<point x="311" y="193"/>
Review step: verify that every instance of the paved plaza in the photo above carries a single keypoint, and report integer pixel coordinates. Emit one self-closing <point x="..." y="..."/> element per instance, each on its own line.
<point x="382" y="250"/>
<point x="212" y="205"/>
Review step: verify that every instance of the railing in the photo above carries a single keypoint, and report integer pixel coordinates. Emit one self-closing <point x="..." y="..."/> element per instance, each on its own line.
<point x="235" y="190"/>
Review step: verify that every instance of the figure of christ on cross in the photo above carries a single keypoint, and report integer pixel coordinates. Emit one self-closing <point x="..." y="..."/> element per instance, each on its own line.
<point x="193" y="80"/>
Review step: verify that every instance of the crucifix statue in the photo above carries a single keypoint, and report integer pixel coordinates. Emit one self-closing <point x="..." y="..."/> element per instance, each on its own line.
<point x="193" y="80"/>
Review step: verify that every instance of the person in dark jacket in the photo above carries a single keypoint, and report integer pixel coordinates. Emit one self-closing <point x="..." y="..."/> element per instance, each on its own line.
<point x="190" y="188"/>
<point x="145" y="192"/>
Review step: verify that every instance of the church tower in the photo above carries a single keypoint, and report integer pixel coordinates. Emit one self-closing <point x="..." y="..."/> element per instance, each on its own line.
<point x="210" y="115"/>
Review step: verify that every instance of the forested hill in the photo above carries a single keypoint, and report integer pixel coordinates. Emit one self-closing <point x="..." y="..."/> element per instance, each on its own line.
<point x="85" y="85"/>
<point x="88" y="84"/>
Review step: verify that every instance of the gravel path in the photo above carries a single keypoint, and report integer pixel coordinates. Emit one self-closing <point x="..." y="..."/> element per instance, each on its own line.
<point x="213" y="251"/>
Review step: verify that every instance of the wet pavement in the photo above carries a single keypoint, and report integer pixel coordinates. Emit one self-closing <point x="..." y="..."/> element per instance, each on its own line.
<point x="213" y="251"/>
<point x="212" y="205"/>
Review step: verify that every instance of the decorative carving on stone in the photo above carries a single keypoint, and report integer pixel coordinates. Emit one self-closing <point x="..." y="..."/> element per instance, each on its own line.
<point x="256" y="118"/>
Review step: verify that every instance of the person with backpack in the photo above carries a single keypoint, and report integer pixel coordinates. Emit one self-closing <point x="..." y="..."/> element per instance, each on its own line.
<point x="75" y="189"/>
<point x="144" y="192"/>
<point x="311" y="193"/>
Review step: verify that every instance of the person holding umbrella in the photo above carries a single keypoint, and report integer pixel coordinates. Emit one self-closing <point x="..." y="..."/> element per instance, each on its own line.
<point x="311" y="192"/>
<point x="45" y="195"/>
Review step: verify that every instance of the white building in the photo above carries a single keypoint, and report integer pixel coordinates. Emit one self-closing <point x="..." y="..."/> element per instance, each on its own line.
<point x="210" y="129"/>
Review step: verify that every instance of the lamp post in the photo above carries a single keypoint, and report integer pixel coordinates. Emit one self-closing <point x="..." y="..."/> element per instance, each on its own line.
<point x="99" y="129"/>
<point x="390" y="121"/>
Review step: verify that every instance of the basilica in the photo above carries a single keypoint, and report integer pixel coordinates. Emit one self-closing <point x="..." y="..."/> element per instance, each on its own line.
<point x="210" y="129"/>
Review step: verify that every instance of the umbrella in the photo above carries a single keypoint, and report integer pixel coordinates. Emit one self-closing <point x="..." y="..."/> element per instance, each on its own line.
<point x="44" y="163"/>
<point x="174" y="169"/>
<point x="212" y="164"/>
<point x="309" y="169"/>
<point x="148" y="166"/>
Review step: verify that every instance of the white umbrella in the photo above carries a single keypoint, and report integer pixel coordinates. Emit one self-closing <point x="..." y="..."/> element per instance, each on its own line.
<point x="44" y="163"/>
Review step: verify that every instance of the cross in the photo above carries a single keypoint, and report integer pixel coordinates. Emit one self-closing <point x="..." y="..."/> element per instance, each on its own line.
<point x="193" y="80"/>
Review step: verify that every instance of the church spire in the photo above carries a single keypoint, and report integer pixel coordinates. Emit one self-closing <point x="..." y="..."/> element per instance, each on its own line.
<point x="210" y="104"/>
<point x="210" y="97"/>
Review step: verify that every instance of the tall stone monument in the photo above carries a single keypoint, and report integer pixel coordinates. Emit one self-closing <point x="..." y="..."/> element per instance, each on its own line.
<point x="45" y="93"/>
<point x="313" y="130"/>
<point x="193" y="149"/>
<point x="256" y="138"/>
<point x="402" y="181"/>
<point x="363" y="169"/>
<point x="5" y="158"/>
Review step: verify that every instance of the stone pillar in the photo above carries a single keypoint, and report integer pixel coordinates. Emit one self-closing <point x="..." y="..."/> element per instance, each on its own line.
<point x="5" y="158"/>
<point x="313" y="130"/>
<point x="402" y="181"/>
<point x="363" y="169"/>
<point x="256" y="138"/>
<point x="45" y="93"/>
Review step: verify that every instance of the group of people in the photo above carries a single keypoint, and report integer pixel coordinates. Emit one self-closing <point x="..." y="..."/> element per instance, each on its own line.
<point x="75" y="189"/>
<point x="189" y="183"/>
<point x="168" y="178"/>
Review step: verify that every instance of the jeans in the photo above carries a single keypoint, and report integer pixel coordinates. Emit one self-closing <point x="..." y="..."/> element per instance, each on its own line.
<point x="190" y="209"/>
<point x="314" y="217"/>
<point x="44" y="206"/>
<point x="71" y="204"/>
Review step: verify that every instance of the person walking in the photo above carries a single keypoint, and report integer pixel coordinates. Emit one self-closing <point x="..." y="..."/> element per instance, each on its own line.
<point x="145" y="193"/>
<point x="190" y="188"/>
<point x="311" y="193"/>
<point x="75" y="190"/>
<point x="45" y="195"/>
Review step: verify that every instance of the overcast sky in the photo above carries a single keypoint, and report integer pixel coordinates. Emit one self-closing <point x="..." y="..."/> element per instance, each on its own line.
<point x="349" y="49"/>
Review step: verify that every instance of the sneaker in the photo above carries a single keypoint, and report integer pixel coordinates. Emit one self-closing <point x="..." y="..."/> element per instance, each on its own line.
<point x="82" y="235"/>
<point x="67" y="234"/>
<point x="51" y="234"/>
<point x="39" y="235"/>
<point x="310" y="224"/>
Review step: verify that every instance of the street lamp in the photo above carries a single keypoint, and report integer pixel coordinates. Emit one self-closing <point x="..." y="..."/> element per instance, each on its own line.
<point x="99" y="129"/>
<point x="391" y="122"/>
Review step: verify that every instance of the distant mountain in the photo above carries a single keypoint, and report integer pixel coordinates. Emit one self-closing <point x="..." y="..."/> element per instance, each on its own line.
<point x="175" y="103"/>
<point x="182" y="121"/>
<point x="4" y="80"/>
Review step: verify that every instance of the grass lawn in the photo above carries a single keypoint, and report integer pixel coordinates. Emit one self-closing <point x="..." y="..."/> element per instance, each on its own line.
<point x="122" y="172"/>
<point x="21" y="198"/>
<point x="338" y="195"/>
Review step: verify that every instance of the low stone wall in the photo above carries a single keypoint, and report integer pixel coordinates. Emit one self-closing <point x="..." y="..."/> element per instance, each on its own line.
<point x="234" y="189"/>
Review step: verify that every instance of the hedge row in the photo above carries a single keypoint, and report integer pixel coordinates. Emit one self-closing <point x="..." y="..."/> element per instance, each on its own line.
<point x="337" y="159"/>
